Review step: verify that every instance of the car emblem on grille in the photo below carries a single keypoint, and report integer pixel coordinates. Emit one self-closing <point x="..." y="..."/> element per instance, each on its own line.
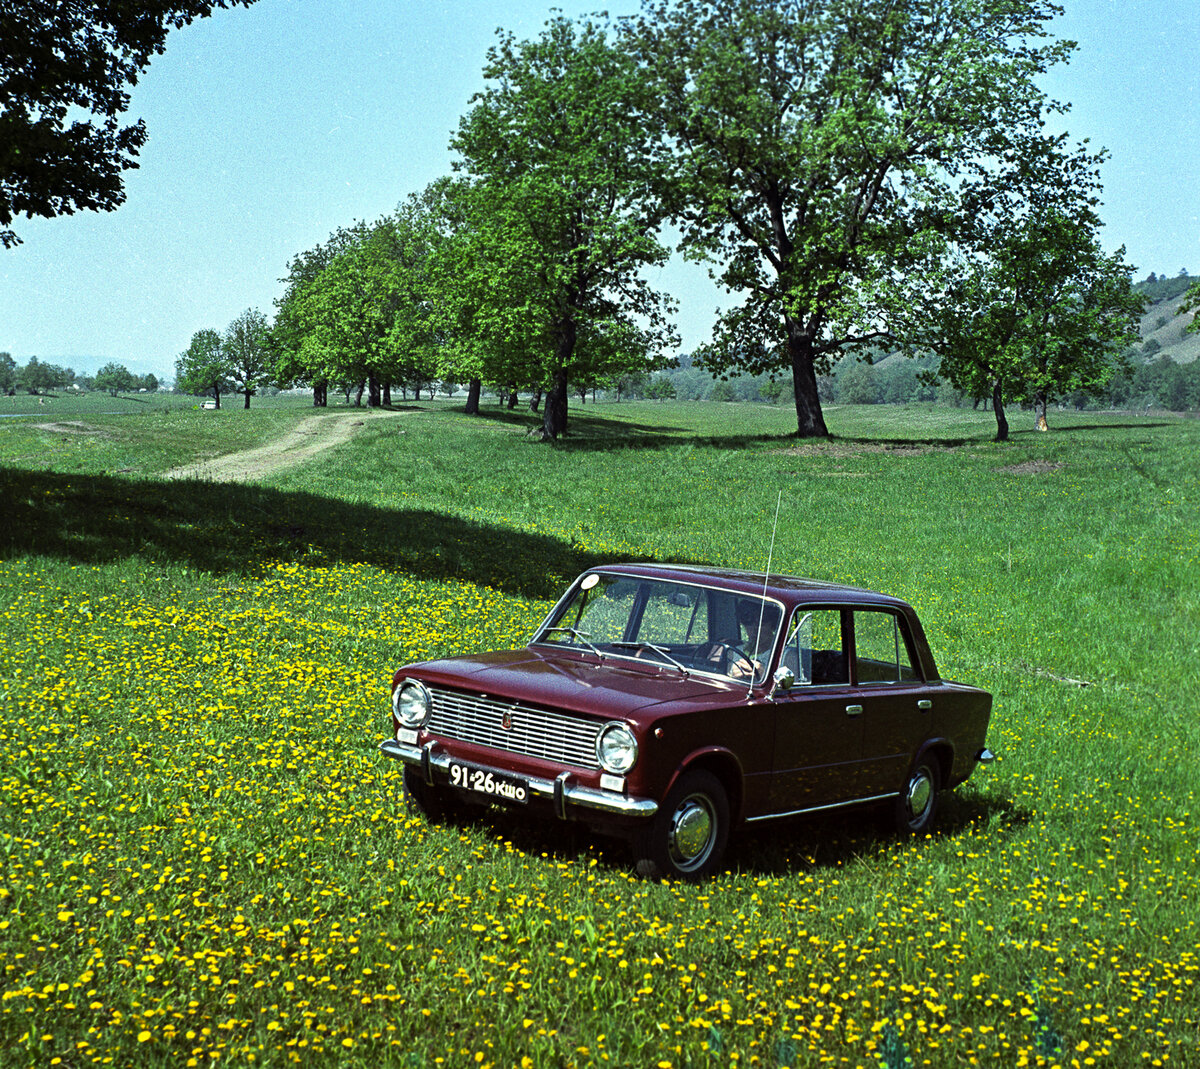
<point x="506" y="720"/>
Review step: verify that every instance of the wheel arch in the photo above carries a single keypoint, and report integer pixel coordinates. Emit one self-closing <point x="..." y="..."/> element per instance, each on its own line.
<point x="941" y="753"/>
<point x="727" y="769"/>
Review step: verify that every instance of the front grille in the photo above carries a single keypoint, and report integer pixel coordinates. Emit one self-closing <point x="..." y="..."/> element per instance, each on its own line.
<point x="533" y="732"/>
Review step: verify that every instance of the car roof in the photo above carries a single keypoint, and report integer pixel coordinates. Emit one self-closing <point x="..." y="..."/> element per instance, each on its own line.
<point x="790" y="589"/>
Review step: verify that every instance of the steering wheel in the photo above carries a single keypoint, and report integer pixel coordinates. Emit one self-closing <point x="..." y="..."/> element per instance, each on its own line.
<point x="726" y="655"/>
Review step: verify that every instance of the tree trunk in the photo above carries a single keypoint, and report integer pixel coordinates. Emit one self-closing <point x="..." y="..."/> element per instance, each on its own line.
<point x="358" y="395"/>
<point x="512" y="400"/>
<point x="320" y="395"/>
<point x="387" y="393"/>
<point x="473" y="390"/>
<point x="998" y="409"/>
<point x="217" y="393"/>
<point x="248" y="392"/>
<point x="535" y="402"/>
<point x="373" y="400"/>
<point x="1039" y="405"/>
<point x="810" y="422"/>
<point x="554" y="419"/>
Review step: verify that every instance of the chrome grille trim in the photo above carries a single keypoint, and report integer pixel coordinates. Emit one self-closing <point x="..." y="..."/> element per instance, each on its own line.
<point x="473" y="718"/>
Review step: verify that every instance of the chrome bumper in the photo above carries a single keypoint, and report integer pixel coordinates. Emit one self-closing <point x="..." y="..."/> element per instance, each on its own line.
<point x="560" y="790"/>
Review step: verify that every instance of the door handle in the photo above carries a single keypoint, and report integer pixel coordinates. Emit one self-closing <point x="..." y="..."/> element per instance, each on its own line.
<point x="854" y="710"/>
<point x="924" y="703"/>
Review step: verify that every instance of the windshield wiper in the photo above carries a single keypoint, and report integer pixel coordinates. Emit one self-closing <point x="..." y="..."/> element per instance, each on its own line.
<point x="657" y="649"/>
<point x="579" y="636"/>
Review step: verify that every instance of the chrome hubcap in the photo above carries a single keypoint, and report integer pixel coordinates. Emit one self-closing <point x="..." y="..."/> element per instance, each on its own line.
<point x="691" y="831"/>
<point x="919" y="791"/>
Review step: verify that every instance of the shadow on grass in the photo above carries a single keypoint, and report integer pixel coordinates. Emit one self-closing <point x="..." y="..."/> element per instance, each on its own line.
<point x="822" y="841"/>
<point x="588" y="433"/>
<point x="231" y="528"/>
<point x="777" y="848"/>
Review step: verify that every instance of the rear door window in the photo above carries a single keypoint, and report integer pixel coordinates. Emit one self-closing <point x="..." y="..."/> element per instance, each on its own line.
<point x="881" y="649"/>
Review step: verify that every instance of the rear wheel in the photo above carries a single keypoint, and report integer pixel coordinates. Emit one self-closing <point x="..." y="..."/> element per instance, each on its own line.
<point x="917" y="804"/>
<point x="687" y="837"/>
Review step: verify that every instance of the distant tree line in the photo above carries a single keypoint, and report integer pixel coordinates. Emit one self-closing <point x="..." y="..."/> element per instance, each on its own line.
<point x="38" y="377"/>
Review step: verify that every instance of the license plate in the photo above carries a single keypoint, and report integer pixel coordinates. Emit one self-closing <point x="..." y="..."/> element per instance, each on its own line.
<point x="491" y="784"/>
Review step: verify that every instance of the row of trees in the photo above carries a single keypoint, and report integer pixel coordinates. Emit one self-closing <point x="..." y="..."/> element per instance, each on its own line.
<point x="861" y="171"/>
<point x="38" y="377"/>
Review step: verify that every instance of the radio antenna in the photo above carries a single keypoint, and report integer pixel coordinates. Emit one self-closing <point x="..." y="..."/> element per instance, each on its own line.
<point x="762" y="605"/>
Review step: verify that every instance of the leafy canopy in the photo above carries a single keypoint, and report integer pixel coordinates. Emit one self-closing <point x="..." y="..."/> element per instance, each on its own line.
<point x="560" y="226"/>
<point x="60" y="59"/>
<point x="804" y="140"/>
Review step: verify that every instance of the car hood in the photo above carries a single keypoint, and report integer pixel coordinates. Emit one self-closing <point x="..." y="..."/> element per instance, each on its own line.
<point x="580" y="683"/>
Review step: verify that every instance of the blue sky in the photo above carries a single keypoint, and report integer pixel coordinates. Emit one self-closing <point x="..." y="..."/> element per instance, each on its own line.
<point x="273" y="125"/>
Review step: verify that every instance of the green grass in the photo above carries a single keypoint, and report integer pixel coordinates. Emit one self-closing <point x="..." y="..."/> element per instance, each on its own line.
<point x="206" y="860"/>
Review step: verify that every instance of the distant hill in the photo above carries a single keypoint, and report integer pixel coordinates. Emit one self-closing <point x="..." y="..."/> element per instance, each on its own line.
<point x="1162" y="323"/>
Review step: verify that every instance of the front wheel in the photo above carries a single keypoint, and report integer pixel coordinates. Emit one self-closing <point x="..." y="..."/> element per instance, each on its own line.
<point x="917" y="804"/>
<point x="687" y="837"/>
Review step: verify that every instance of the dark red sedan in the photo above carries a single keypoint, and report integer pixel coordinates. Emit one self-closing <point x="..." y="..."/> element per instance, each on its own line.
<point x="669" y="704"/>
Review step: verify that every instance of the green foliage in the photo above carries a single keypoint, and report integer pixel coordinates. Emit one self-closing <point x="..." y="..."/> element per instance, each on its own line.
<point x="203" y="366"/>
<point x="1022" y="302"/>
<point x="8" y="373"/>
<point x="661" y="388"/>
<point x="361" y="307"/>
<point x="858" y="385"/>
<point x="65" y="70"/>
<point x="245" y="352"/>
<point x="1192" y="304"/>
<point x="299" y="357"/>
<point x="557" y="226"/>
<point x="1165" y="384"/>
<point x="805" y="147"/>
<point x="115" y="378"/>
<point x="1165" y="289"/>
<point x="38" y="376"/>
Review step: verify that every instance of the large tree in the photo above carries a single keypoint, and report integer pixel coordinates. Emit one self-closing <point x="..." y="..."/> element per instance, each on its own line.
<point x="1021" y="302"/>
<point x="298" y="355"/>
<point x="804" y="139"/>
<point x="65" y="69"/>
<point x="246" y="354"/>
<point x="363" y="316"/>
<point x="562" y="224"/>
<point x="202" y="366"/>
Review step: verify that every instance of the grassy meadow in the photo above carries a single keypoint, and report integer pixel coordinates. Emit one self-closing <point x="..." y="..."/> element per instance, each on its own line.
<point x="207" y="862"/>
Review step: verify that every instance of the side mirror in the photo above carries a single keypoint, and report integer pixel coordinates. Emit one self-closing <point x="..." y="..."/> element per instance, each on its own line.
<point x="783" y="679"/>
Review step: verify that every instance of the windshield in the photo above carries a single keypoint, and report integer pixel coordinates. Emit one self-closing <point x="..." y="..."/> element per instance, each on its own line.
<point x="691" y="627"/>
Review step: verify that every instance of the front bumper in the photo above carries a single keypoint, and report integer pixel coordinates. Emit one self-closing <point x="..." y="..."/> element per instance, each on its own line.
<point x="564" y="794"/>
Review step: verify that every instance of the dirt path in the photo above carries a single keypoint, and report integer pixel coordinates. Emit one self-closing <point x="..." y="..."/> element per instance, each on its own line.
<point x="311" y="436"/>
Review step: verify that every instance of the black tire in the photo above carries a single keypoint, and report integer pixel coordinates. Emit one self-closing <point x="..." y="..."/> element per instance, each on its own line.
<point x="420" y="799"/>
<point x="917" y="805"/>
<point x="687" y="837"/>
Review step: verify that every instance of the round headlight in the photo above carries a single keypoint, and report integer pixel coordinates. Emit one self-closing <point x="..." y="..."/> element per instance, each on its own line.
<point x="617" y="749"/>
<point x="411" y="703"/>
